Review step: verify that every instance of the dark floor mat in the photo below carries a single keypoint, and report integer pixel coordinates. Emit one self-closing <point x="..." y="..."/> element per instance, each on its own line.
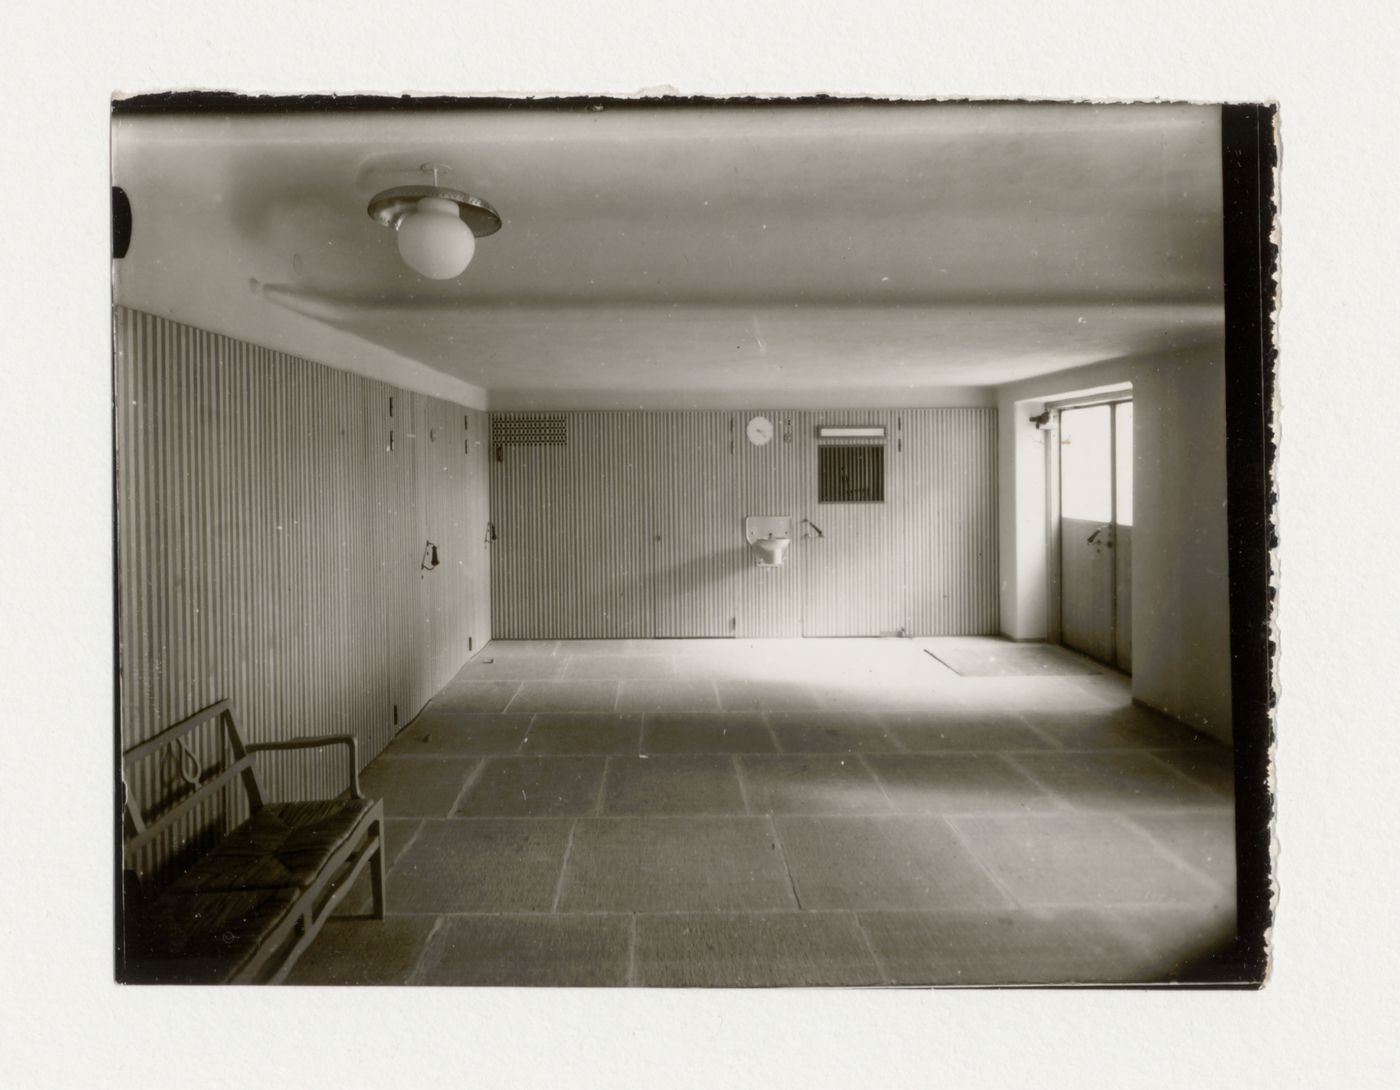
<point x="1010" y="661"/>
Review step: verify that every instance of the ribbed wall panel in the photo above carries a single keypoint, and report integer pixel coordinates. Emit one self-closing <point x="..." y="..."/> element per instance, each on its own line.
<point x="635" y="528"/>
<point x="531" y="585"/>
<point x="268" y="552"/>
<point x="572" y="551"/>
<point x="609" y="527"/>
<point x="951" y="520"/>
<point x="696" y="547"/>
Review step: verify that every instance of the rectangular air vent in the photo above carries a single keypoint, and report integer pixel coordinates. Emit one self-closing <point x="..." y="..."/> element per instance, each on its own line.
<point x="529" y="431"/>
<point x="850" y="474"/>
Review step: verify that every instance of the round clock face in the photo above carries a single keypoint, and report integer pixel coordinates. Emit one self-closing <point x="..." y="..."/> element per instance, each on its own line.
<point x="760" y="430"/>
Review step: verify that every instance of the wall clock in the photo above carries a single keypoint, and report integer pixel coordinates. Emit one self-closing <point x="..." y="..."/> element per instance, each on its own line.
<point x="759" y="430"/>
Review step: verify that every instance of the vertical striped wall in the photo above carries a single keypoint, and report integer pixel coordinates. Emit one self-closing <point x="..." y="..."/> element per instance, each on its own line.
<point x="271" y="519"/>
<point x="634" y="528"/>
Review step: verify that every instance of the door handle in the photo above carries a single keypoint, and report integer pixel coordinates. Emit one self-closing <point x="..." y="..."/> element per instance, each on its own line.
<point x="1095" y="535"/>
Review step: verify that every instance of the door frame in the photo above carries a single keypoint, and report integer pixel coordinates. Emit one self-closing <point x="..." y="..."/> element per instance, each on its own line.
<point x="1055" y="587"/>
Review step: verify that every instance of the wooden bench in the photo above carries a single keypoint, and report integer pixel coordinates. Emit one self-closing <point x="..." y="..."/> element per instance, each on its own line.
<point x="246" y="910"/>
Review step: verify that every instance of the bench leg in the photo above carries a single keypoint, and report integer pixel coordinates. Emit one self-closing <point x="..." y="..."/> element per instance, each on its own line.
<point x="376" y="874"/>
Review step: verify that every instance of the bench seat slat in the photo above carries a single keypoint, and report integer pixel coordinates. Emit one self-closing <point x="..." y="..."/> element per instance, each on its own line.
<point x="208" y="937"/>
<point x="283" y="844"/>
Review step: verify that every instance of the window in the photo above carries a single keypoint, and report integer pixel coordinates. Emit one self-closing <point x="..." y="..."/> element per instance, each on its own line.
<point x="851" y="474"/>
<point x="1123" y="462"/>
<point x="1086" y="464"/>
<point x="1096" y="463"/>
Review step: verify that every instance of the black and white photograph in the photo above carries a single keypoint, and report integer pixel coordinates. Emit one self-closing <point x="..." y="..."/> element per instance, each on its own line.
<point x="727" y="546"/>
<point x="692" y="543"/>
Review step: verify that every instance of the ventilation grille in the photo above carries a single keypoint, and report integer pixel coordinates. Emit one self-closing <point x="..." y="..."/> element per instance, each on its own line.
<point x="847" y="474"/>
<point x="530" y="431"/>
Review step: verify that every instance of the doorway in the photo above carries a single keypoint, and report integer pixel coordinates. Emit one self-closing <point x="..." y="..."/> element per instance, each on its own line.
<point x="1095" y="473"/>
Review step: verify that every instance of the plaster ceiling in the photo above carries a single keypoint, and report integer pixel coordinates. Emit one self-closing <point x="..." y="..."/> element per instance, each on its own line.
<point x="692" y="249"/>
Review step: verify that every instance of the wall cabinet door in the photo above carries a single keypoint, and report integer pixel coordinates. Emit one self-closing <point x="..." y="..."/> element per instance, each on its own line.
<point x="696" y="543"/>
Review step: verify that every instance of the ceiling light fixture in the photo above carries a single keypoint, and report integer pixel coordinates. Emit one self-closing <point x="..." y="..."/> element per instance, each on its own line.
<point x="437" y="228"/>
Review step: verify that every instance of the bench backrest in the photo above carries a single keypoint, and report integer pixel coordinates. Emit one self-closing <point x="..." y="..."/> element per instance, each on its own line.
<point x="204" y="784"/>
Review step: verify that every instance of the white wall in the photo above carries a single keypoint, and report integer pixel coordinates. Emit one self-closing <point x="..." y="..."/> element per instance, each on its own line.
<point x="1181" y="621"/>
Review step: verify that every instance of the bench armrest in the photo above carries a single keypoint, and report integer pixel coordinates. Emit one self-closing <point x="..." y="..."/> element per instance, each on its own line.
<point x="315" y="742"/>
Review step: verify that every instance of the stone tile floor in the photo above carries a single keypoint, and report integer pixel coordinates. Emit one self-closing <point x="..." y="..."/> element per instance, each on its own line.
<point x="787" y="812"/>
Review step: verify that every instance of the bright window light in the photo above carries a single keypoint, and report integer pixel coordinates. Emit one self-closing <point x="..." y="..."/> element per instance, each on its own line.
<point x="1123" y="452"/>
<point x="1086" y="450"/>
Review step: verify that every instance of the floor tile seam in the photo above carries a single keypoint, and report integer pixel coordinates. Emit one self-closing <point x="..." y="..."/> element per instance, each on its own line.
<point x="879" y="781"/>
<point x="821" y="753"/>
<point x="463" y="755"/>
<point x="1019" y="813"/>
<point x="885" y="734"/>
<point x="1164" y="850"/>
<point x="649" y="916"/>
<point x="1070" y="750"/>
<point x="525" y="734"/>
<point x="966" y="912"/>
<point x="743" y="786"/>
<point x="473" y="777"/>
<point x="955" y="751"/>
<point x="654" y="913"/>
<point x="1109" y="908"/>
<point x="882" y="971"/>
<point x="1172" y="771"/>
<point x="421" y="966"/>
<point x="632" y="979"/>
<point x="895" y="811"/>
<point x="1185" y="775"/>
<point x="564" y="867"/>
<point x="773" y="734"/>
<point x="643" y="814"/>
<point x="1082" y="809"/>
<point x="418" y="828"/>
<point x="466" y="819"/>
<point x="1179" y="858"/>
<point x="1018" y="760"/>
<point x="385" y="756"/>
<point x="1185" y="809"/>
<point x="1053" y="742"/>
<point x="602" y="793"/>
<point x="1131" y="936"/>
<point x="719" y="698"/>
<point x="514" y="693"/>
<point x="1061" y="801"/>
<point x="981" y="864"/>
<point x="885" y="727"/>
<point x="1086" y="684"/>
<point x="1193" y="747"/>
<point x="783" y="856"/>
